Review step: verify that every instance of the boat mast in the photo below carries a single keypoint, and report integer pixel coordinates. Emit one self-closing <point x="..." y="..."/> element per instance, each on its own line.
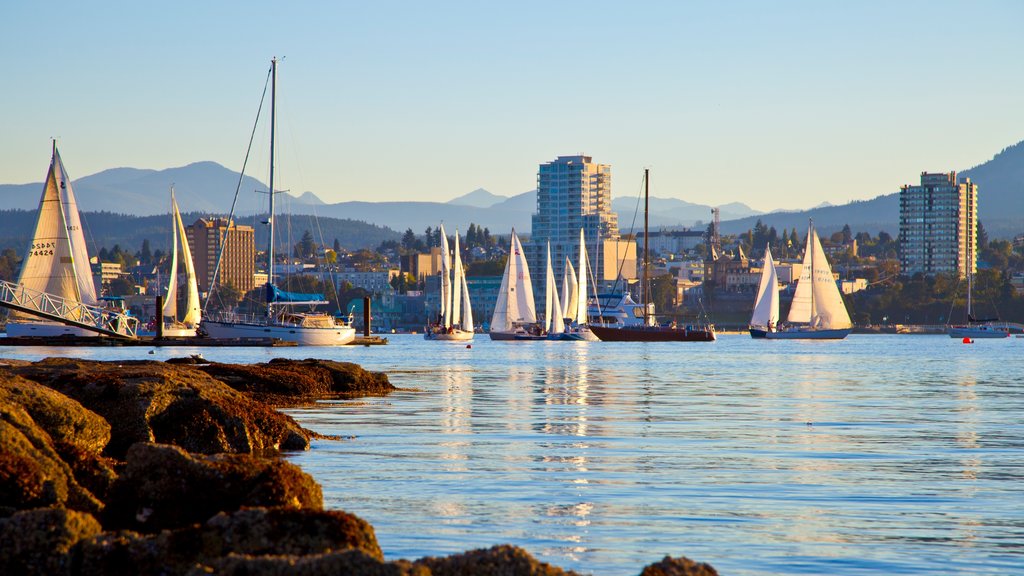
<point x="270" y="216"/>
<point x="810" y="231"/>
<point x="644" y="286"/>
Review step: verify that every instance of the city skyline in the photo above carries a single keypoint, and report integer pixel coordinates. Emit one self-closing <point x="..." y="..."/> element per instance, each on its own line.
<point x="741" y="103"/>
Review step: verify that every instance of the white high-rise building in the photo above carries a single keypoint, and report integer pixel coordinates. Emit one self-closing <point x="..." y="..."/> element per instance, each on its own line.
<point x="939" y="226"/>
<point x="573" y="192"/>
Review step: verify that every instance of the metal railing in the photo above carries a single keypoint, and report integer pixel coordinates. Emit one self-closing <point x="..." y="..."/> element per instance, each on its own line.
<point x="52" y="307"/>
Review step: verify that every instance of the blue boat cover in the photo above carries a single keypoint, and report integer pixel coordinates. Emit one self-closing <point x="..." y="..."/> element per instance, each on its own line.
<point x="275" y="294"/>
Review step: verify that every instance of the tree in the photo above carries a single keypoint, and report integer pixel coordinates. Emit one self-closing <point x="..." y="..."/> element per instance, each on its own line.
<point x="9" y="263"/>
<point x="429" y="233"/>
<point x="225" y="296"/>
<point x="121" y="286"/>
<point x="663" y="292"/>
<point x="337" y="246"/>
<point x="145" y="255"/>
<point x="982" y="236"/>
<point x="409" y="239"/>
<point x="306" y="248"/>
<point x="847" y="234"/>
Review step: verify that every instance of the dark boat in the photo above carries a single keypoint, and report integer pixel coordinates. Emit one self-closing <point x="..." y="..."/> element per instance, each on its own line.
<point x="648" y="331"/>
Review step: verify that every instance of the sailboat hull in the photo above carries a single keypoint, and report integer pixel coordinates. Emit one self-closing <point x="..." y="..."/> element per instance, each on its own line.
<point x="301" y="335"/>
<point x="805" y="334"/>
<point x="455" y="335"/>
<point x="179" y="332"/>
<point x="46" y="330"/>
<point x="654" y="334"/>
<point x="978" y="331"/>
<point x="583" y="334"/>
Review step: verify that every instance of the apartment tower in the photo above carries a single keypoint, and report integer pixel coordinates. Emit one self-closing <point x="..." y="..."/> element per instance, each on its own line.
<point x="939" y="226"/>
<point x="573" y="192"/>
<point x="238" y="265"/>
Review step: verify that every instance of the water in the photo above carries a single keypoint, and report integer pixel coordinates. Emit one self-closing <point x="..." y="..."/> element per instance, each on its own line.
<point x="873" y="455"/>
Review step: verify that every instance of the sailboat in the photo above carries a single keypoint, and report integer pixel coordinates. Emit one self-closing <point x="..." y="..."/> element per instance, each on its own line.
<point x="554" y="323"/>
<point x="765" y="318"/>
<point x="455" y="319"/>
<point x="577" y="310"/>
<point x="173" y="327"/>
<point x="514" y="311"/>
<point x="649" y="330"/>
<point x="817" y="311"/>
<point x="280" y="321"/>
<point x="975" y="327"/>
<point x="57" y="260"/>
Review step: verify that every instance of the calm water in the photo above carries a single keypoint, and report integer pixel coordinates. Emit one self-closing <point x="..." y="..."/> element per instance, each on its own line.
<point x="873" y="455"/>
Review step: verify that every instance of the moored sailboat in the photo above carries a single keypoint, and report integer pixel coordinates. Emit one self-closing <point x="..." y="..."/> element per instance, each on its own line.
<point x="817" y="311"/>
<point x="455" y="318"/>
<point x="280" y="321"/>
<point x="976" y="327"/>
<point x="577" y="310"/>
<point x="186" y="326"/>
<point x="649" y="330"/>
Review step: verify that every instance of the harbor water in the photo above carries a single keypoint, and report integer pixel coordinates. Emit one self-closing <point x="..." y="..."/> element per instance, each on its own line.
<point x="878" y="454"/>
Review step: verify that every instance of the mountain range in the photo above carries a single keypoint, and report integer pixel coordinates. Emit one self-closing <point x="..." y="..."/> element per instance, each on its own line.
<point x="209" y="188"/>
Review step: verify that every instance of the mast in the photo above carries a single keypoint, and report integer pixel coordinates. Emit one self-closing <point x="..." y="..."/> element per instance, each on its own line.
<point x="644" y="287"/>
<point x="270" y="216"/>
<point x="810" y="230"/>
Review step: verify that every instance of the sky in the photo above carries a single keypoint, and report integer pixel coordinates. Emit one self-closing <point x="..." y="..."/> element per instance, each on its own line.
<point x="784" y="104"/>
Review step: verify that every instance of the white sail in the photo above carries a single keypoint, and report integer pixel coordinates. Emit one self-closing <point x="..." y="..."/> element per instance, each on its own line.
<point x="800" y="309"/>
<point x="446" y="287"/>
<point x="581" y="306"/>
<point x="527" y="312"/>
<point x="467" y="308"/>
<point x="456" y="289"/>
<point x="193" y="310"/>
<point x="553" y="321"/>
<point x="570" y="290"/>
<point x="829" y="311"/>
<point x="501" y="318"/>
<point x="171" y="293"/>
<point x="766" y="306"/>
<point x="57" y="261"/>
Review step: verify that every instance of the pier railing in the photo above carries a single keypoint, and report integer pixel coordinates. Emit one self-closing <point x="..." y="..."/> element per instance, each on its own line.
<point x="52" y="307"/>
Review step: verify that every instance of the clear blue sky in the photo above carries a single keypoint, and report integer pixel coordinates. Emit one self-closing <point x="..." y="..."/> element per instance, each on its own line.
<point x="774" y="104"/>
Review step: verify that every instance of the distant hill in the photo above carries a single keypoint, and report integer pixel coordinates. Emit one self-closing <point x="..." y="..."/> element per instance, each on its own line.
<point x="1000" y="204"/>
<point x="478" y="198"/>
<point x="105" y="229"/>
<point x="673" y="212"/>
<point x="202" y="186"/>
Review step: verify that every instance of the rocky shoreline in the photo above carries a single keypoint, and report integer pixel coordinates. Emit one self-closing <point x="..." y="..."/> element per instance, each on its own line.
<point x="163" y="468"/>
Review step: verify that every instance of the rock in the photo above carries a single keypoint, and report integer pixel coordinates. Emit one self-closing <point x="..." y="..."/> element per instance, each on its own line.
<point x="39" y="541"/>
<point x="286" y="382"/>
<point x="497" y="561"/>
<point x="32" y="474"/>
<point x="148" y="401"/>
<point x="64" y="419"/>
<point x="258" y="540"/>
<point x="681" y="566"/>
<point x="350" y="563"/>
<point x="164" y="487"/>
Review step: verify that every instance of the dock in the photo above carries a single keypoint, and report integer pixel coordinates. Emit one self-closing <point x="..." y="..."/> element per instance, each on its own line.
<point x="143" y="341"/>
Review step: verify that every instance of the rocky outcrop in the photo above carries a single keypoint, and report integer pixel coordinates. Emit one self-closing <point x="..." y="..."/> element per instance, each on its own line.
<point x="497" y="561"/>
<point x="284" y="382"/>
<point x="165" y="487"/>
<point x="147" y="401"/>
<point x="39" y="541"/>
<point x="681" y="566"/>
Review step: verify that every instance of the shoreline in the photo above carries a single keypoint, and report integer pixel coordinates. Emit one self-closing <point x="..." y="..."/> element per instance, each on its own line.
<point x="150" y="467"/>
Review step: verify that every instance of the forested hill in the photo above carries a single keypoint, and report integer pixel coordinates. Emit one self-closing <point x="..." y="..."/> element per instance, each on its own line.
<point x="106" y="229"/>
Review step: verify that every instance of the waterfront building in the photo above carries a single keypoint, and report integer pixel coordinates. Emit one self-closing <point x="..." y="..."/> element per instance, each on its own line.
<point x="238" y="264"/>
<point x="939" y="226"/>
<point x="574" y="192"/>
<point x="671" y="242"/>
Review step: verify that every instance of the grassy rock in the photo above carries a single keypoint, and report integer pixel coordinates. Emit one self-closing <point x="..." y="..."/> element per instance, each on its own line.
<point x="496" y="561"/>
<point x="284" y="382"/>
<point x="164" y="487"/>
<point x="350" y="563"/>
<point x="146" y="401"/>
<point x="39" y="541"/>
<point x="681" y="566"/>
<point x="64" y="419"/>
<point x="32" y="474"/>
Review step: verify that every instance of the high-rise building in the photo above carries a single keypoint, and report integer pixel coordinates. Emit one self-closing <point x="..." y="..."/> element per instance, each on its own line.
<point x="939" y="225"/>
<point x="238" y="264"/>
<point x="573" y="192"/>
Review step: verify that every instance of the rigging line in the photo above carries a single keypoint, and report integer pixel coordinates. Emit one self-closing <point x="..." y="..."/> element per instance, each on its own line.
<point x="241" y="176"/>
<point x="629" y="238"/>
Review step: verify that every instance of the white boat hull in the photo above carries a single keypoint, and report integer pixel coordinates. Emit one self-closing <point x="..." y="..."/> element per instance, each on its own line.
<point x="583" y="334"/>
<point x="179" y="332"/>
<point x="301" y="335"/>
<point x="453" y="336"/>
<point x="807" y="334"/>
<point x="46" y="330"/>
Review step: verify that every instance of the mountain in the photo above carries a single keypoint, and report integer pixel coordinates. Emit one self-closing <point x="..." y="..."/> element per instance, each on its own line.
<point x="674" y="212"/>
<point x="1000" y="204"/>
<point x="478" y="198"/>
<point x="202" y="186"/>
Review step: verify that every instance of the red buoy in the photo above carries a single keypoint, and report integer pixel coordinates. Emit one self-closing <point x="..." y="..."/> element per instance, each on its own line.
<point x="469" y="345"/>
<point x="968" y="340"/>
